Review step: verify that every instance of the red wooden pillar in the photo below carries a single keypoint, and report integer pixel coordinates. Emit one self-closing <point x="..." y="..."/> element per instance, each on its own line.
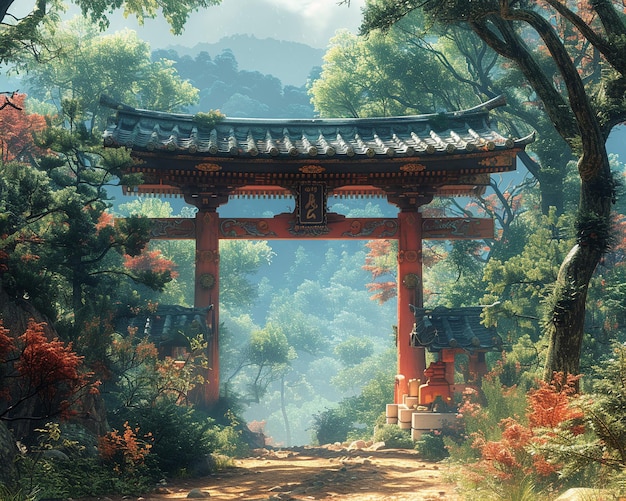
<point x="411" y="360"/>
<point x="207" y="280"/>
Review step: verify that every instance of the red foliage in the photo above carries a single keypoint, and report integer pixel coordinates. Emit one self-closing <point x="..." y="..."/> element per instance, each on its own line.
<point x="376" y="260"/>
<point x="105" y="220"/>
<point x="550" y="403"/>
<point x="381" y="261"/>
<point x="17" y="126"/>
<point x="125" y="451"/>
<point x="548" y="409"/>
<point x="150" y="261"/>
<point x="37" y="367"/>
<point x="382" y="291"/>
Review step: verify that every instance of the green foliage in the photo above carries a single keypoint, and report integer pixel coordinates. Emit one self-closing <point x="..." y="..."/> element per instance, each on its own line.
<point x="74" y="471"/>
<point x="394" y="437"/>
<point x="592" y="450"/>
<point x="431" y="447"/>
<point x="520" y="365"/>
<point x="16" y="494"/>
<point x="239" y="261"/>
<point x="23" y="35"/>
<point x="269" y="346"/>
<point x="382" y="76"/>
<point x="180" y="435"/>
<point x="332" y="425"/>
<point x="80" y="477"/>
<point x="208" y="119"/>
<point x="520" y="283"/>
<point x="354" y="350"/>
<point x="124" y="67"/>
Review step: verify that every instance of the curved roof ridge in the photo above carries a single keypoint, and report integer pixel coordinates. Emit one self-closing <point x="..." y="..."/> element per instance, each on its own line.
<point x="482" y="108"/>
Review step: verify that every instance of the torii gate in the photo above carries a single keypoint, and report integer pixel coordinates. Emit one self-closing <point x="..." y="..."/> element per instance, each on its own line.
<point x="408" y="160"/>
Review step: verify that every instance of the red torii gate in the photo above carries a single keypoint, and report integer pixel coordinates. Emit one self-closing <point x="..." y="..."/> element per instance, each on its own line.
<point x="411" y="361"/>
<point x="408" y="160"/>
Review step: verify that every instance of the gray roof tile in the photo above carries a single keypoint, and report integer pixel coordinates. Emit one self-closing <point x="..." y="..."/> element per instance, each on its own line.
<point x="453" y="328"/>
<point x="409" y="136"/>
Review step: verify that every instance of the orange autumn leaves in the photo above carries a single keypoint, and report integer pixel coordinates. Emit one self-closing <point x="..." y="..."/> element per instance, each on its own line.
<point x="516" y="454"/>
<point x="36" y="366"/>
<point x="125" y="450"/>
<point x="18" y="127"/>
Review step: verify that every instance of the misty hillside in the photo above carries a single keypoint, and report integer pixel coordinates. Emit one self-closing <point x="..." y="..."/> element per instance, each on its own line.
<point x="291" y="62"/>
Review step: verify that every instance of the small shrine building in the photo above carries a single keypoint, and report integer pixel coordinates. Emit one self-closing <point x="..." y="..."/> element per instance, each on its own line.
<point x="407" y="160"/>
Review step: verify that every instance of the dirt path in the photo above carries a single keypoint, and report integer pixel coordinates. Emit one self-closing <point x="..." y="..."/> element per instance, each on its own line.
<point x="319" y="473"/>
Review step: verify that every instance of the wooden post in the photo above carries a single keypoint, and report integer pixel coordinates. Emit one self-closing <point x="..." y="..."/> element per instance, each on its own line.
<point x="411" y="360"/>
<point x="207" y="293"/>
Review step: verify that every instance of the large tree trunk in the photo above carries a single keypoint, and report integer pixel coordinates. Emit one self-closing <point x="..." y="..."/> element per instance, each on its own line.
<point x="568" y="313"/>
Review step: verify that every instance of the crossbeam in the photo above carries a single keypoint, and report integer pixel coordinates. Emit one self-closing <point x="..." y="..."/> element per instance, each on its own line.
<point x="337" y="227"/>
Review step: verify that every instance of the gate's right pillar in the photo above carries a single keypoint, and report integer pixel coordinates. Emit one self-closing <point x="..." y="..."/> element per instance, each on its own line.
<point x="411" y="360"/>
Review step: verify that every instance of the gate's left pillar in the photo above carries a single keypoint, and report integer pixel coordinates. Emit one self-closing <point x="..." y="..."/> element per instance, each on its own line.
<point x="207" y="281"/>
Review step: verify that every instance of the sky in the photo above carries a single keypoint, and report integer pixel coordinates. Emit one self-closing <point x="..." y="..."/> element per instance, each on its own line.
<point x="312" y="22"/>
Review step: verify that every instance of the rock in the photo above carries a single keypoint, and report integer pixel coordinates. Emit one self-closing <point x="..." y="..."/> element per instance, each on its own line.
<point x="376" y="446"/>
<point x="203" y="466"/>
<point x="586" y="494"/>
<point x="55" y="455"/>
<point x="162" y="490"/>
<point x="278" y="488"/>
<point x="357" y="445"/>
<point x="198" y="494"/>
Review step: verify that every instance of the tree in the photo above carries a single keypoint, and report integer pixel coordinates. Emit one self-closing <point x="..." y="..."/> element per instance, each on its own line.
<point x="18" y="35"/>
<point x="354" y="350"/>
<point x="43" y="375"/>
<point x="583" y="104"/>
<point x="88" y="65"/>
<point x="407" y="72"/>
<point x="237" y="92"/>
<point x="60" y="249"/>
<point x="17" y="128"/>
<point x="382" y="76"/>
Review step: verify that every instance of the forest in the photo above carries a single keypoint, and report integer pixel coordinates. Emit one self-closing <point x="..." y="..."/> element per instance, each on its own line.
<point x="88" y="407"/>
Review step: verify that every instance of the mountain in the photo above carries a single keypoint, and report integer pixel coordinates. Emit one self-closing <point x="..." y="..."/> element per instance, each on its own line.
<point x="291" y="62"/>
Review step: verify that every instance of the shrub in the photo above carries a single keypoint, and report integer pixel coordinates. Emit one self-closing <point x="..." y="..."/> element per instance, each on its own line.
<point x="331" y="425"/>
<point x="7" y="494"/>
<point x="58" y="467"/>
<point x="590" y="445"/>
<point x="394" y="437"/>
<point x="125" y="451"/>
<point x="79" y="478"/>
<point x="514" y="459"/>
<point x="180" y="435"/>
<point x="431" y="446"/>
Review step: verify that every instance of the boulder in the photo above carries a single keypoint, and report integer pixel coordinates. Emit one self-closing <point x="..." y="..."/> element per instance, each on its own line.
<point x="55" y="455"/>
<point x="202" y="466"/>
<point x="586" y="494"/>
<point x="198" y="494"/>
<point x="357" y="445"/>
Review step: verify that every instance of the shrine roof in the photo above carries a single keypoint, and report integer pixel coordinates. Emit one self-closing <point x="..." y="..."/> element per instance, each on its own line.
<point x="169" y="325"/>
<point x="453" y="328"/>
<point x="459" y="132"/>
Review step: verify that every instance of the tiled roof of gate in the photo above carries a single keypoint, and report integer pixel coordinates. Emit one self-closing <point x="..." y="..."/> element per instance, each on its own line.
<point x="458" y="132"/>
<point x="453" y="328"/>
